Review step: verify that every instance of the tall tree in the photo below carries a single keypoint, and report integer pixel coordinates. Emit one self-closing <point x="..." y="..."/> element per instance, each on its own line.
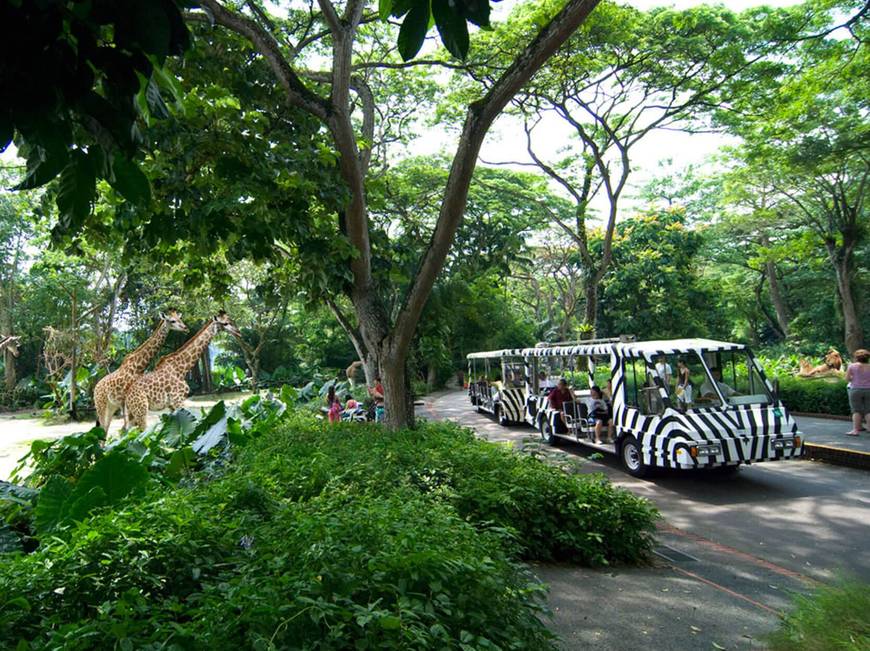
<point x="811" y="137"/>
<point x="626" y="74"/>
<point x="387" y="337"/>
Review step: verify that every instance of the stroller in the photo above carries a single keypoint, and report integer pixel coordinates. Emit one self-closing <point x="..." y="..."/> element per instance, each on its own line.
<point x="359" y="413"/>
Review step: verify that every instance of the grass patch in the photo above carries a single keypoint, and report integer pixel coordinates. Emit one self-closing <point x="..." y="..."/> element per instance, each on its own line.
<point x="833" y="618"/>
<point x="322" y="537"/>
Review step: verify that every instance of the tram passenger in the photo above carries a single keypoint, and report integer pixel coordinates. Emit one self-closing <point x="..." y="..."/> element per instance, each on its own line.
<point x="684" y="383"/>
<point x="664" y="370"/>
<point x="558" y="397"/>
<point x="602" y="411"/>
<point x="545" y="384"/>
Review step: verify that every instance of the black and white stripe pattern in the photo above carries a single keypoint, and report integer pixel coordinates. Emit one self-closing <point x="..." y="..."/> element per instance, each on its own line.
<point x="744" y="433"/>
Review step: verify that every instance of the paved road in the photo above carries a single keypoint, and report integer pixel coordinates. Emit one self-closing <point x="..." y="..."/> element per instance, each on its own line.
<point x="733" y="548"/>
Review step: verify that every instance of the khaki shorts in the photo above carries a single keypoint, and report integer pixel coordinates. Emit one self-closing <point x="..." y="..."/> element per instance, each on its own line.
<point x="859" y="401"/>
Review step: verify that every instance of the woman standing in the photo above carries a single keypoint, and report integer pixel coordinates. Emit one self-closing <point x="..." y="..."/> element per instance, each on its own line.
<point x="333" y="405"/>
<point x="684" y="383"/>
<point x="858" y="379"/>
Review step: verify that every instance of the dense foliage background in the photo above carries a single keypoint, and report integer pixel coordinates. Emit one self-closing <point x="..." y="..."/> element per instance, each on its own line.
<point x="229" y="199"/>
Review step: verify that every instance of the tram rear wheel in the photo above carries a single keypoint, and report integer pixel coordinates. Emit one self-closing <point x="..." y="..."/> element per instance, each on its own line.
<point x="547" y="433"/>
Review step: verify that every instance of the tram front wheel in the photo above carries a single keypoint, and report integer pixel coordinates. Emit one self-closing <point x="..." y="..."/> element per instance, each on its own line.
<point x="632" y="458"/>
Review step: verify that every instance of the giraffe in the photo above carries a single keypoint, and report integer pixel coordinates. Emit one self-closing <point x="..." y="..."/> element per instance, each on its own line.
<point x="351" y="370"/>
<point x="165" y="386"/>
<point x="110" y="391"/>
<point x="9" y="342"/>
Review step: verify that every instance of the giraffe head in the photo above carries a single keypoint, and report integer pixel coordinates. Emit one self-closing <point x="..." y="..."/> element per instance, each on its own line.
<point x="224" y="324"/>
<point x="172" y="319"/>
<point x="12" y="345"/>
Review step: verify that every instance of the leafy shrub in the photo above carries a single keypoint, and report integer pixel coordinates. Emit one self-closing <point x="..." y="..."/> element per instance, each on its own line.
<point x="230" y="378"/>
<point x="815" y="396"/>
<point x="551" y="515"/>
<point x="314" y="538"/>
<point x="67" y="457"/>
<point x="215" y="567"/>
<point x="833" y="617"/>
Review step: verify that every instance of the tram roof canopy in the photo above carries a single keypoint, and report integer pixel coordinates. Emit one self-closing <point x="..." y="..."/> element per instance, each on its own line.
<point x="642" y="348"/>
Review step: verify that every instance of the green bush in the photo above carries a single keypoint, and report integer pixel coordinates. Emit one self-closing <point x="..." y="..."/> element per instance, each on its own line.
<point x="815" y="396"/>
<point x="322" y="537"/>
<point x="551" y="515"/>
<point x="833" y="617"/>
<point x="228" y="565"/>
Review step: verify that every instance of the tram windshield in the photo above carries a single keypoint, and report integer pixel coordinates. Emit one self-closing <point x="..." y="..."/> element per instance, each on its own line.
<point x="692" y="382"/>
<point x="737" y="377"/>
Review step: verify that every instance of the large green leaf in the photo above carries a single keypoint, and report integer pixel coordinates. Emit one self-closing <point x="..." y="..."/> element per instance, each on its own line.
<point x="177" y="426"/>
<point x="288" y="395"/>
<point x="413" y="30"/>
<point x="53" y="505"/>
<point x="213" y="429"/>
<point x="452" y="28"/>
<point x="43" y="168"/>
<point x="116" y="474"/>
<point x="476" y="11"/>
<point x="76" y="190"/>
<point x="129" y="180"/>
<point x="179" y="461"/>
<point x="9" y="540"/>
<point x="384" y="8"/>
<point x="82" y="504"/>
<point x="18" y="494"/>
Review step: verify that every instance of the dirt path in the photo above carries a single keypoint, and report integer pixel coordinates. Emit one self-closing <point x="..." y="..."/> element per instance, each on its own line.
<point x="18" y="431"/>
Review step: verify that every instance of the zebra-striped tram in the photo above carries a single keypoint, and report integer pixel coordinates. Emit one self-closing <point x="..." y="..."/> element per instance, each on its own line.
<point x="683" y="403"/>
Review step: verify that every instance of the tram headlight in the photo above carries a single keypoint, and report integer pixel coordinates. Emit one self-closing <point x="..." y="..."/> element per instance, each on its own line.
<point x="705" y="450"/>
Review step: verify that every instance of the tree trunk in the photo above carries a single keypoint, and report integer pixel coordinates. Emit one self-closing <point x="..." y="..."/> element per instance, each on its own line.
<point x="207" y="384"/>
<point x="397" y="392"/>
<point x="431" y="376"/>
<point x="759" y="303"/>
<point x="74" y="327"/>
<point x="590" y="311"/>
<point x="783" y="314"/>
<point x="853" y="332"/>
<point x="6" y="329"/>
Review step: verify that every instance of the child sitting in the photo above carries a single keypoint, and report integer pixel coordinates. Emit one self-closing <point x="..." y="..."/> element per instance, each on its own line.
<point x="600" y="411"/>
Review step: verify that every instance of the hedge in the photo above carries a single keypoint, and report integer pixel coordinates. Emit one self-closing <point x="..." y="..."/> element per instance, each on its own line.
<point x="815" y="396"/>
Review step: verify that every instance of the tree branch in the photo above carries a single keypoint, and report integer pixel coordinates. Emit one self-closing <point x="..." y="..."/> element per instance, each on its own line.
<point x="480" y="117"/>
<point x="297" y="93"/>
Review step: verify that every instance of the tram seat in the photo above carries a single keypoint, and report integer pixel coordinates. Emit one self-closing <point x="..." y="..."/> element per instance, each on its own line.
<point x="576" y="415"/>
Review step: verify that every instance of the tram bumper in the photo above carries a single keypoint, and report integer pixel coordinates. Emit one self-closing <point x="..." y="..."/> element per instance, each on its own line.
<point x="737" y="450"/>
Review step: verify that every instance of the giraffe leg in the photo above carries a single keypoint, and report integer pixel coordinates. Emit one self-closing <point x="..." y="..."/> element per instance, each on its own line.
<point x="137" y="409"/>
<point x="100" y="404"/>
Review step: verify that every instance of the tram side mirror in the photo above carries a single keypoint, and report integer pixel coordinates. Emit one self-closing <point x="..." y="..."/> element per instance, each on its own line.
<point x="775" y="390"/>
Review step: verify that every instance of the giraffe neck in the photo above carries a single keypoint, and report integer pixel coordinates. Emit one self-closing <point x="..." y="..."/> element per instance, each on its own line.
<point x="186" y="356"/>
<point x="138" y="360"/>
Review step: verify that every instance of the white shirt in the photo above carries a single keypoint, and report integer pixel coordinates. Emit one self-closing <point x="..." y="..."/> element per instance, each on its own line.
<point x="664" y="371"/>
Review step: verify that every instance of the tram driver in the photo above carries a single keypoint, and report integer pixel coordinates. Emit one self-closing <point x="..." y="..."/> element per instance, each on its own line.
<point x="707" y="390"/>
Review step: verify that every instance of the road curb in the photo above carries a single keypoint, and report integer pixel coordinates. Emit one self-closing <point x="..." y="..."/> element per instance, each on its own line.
<point x="812" y="414"/>
<point x="837" y="456"/>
